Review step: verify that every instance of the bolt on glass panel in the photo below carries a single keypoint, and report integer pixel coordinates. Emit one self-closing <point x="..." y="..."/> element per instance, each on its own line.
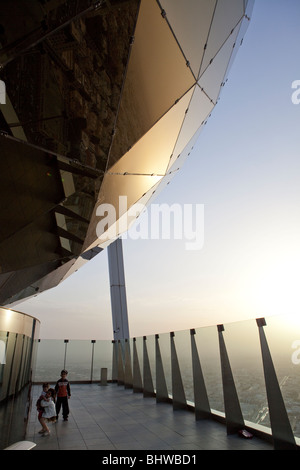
<point x="227" y="15"/>
<point x="212" y="79"/>
<point x="197" y="14"/>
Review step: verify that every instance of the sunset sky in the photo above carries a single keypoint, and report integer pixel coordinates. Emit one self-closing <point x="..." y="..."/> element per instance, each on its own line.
<point x="245" y="171"/>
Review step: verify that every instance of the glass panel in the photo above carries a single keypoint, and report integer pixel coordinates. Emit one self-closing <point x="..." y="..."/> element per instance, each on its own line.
<point x="176" y="163"/>
<point x="27" y="20"/>
<point x="50" y="360"/>
<point x="211" y="80"/>
<point x="243" y="26"/>
<point x="242" y="30"/>
<point x="66" y="92"/>
<point x="198" y="110"/>
<point x="243" y="348"/>
<point x="15" y="322"/>
<point x="196" y="17"/>
<point x="140" y="353"/>
<point x="3" y="348"/>
<point x="227" y="15"/>
<point x="150" y="88"/>
<point x="79" y="360"/>
<point x="9" y="365"/>
<point x="28" y="168"/>
<point x="120" y="192"/>
<point x="184" y="354"/>
<point x="24" y="366"/>
<point x="209" y="355"/>
<point x="283" y="336"/>
<point x="151" y="154"/>
<point x="150" y="343"/>
<point x="249" y="7"/>
<point x="165" y="351"/>
<point x="15" y="377"/>
<point x="103" y="354"/>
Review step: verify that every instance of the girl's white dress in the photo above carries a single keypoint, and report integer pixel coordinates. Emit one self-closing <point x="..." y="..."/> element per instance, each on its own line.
<point x="49" y="409"/>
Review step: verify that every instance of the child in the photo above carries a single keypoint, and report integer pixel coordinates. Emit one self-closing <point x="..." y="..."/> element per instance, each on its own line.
<point x="63" y="391"/>
<point x="39" y="408"/>
<point x="48" y="404"/>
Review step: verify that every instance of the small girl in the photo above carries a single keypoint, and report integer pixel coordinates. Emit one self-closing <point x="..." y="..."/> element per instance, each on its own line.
<point x="49" y="413"/>
<point x="38" y="404"/>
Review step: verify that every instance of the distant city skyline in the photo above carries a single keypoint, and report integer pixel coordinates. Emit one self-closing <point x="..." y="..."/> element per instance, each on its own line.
<point x="244" y="170"/>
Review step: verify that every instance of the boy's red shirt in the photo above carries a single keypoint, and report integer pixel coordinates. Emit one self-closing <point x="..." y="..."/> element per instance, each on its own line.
<point x="62" y="388"/>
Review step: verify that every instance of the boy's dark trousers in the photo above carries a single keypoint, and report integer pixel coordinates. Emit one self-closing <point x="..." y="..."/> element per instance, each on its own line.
<point x="62" y="401"/>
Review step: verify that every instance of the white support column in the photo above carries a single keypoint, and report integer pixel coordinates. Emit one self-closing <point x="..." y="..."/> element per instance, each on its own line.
<point x="118" y="291"/>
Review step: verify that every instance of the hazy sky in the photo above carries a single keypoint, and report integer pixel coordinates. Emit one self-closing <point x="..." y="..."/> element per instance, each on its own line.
<point x="245" y="171"/>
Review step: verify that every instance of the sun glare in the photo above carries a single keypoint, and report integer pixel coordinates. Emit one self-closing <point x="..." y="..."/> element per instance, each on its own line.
<point x="275" y="290"/>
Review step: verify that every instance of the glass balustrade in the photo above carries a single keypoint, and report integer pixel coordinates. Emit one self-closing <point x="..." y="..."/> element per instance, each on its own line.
<point x="183" y="364"/>
<point x="18" y="346"/>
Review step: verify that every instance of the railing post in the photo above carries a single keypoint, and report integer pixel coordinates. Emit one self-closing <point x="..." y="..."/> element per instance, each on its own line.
<point x="114" y="374"/>
<point x="282" y="433"/>
<point x="66" y="341"/>
<point x="233" y="413"/>
<point x="120" y="365"/>
<point x="137" y="378"/>
<point x="93" y="341"/>
<point x="128" y="369"/>
<point x="161" y="386"/>
<point x="179" y="400"/>
<point x="202" y="408"/>
<point x="103" y="377"/>
<point x="148" y="383"/>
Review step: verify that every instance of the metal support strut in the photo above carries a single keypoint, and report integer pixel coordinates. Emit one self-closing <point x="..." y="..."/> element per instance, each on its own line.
<point x="118" y="291"/>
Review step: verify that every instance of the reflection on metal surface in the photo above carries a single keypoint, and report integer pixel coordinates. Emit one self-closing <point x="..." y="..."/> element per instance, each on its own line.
<point x="108" y="98"/>
<point x="18" y="346"/>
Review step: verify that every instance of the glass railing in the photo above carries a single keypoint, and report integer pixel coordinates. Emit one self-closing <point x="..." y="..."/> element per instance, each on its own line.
<point x="18" y="346"/>
<point x="246" y="372"/>
<point x="84" y="360"/>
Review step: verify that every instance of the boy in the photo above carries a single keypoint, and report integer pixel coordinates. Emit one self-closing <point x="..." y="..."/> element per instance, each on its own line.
<point x="63" y="392"/>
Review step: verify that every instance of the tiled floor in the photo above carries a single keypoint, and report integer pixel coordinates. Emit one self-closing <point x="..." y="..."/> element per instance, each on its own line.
<point x="113" y="418"/>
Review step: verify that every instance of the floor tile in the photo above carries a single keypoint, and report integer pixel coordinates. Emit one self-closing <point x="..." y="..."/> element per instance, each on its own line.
<point x="113" y="418"/>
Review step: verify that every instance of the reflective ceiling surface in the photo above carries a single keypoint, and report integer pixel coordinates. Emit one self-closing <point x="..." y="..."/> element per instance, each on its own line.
<point x="104" y="99"/>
